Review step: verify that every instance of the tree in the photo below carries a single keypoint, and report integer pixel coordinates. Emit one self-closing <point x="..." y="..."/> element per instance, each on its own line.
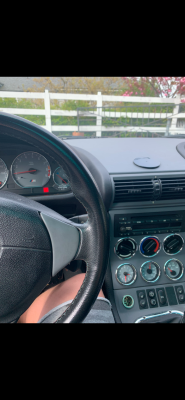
<point x="89" y="85"/>
<point x="154" y="86"/>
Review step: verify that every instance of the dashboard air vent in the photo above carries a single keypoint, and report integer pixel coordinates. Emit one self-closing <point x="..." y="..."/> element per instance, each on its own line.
<point x="133" y="190"/>
<point x="173" y="188"/>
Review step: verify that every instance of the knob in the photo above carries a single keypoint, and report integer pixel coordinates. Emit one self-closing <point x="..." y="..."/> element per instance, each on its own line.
<point x="173" y="244"/>
<point x="150" y="246"/>
<point x="126" y="248"/>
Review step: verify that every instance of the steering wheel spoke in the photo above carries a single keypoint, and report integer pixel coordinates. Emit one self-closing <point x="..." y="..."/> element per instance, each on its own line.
<point x="65" y="239"/>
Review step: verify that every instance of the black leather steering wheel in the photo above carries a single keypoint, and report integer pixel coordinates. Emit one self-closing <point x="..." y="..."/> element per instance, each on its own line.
<point x="36" y="242"/>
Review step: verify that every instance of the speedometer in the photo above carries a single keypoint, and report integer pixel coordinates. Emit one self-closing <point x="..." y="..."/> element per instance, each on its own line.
<point x="31" y="169"/>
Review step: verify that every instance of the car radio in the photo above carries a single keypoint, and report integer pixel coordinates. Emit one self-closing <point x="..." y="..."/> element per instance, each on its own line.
<point x="146" y="224"/>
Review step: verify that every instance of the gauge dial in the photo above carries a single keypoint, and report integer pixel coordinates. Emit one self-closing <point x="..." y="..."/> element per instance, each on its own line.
<point x="3" y="173"/>
<point x="150" y="271"/>
<point x="31" y="169"/>
<point x="174" y="269"/>
<point x="61" y="181"/>
<point x="126" y="274"/>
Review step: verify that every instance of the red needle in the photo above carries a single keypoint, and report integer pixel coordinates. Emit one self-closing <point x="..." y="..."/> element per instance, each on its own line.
<point x="170" y="269"/>
<point x="150" y="266"/>
<point x="24" y="172"/>
<point x="125" y="278"/>
<point x="62" y="179"/>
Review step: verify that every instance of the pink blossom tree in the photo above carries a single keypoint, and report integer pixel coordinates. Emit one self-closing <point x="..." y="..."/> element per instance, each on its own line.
<point x="154" y="86"/>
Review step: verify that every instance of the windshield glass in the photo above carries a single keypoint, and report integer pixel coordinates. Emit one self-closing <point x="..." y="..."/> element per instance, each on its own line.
<point x="94" y="107"/>
<point x="138" y="120"/>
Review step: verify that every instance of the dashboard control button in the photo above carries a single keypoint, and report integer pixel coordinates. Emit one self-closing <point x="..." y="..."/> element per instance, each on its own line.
<point x="142" y="299"/>
<point x="152" y="299"/>
<point x="180" y="294"/>
<point x="122" y="228"/>
<point x="181" y="298"/>
<point x="151" y="294"/>
<point x="162" y="297"/>
<point x="142" y="303"/>
<point x="141" y="295"/>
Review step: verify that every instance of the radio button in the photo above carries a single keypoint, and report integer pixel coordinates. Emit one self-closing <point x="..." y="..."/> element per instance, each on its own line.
<point x="122" y="228"/>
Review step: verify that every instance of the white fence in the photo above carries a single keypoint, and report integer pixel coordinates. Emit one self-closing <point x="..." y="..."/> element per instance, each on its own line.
<point x="99" y="99"/>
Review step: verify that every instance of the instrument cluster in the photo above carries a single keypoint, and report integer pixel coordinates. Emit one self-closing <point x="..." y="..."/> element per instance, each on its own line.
<point x="32" y="170"/>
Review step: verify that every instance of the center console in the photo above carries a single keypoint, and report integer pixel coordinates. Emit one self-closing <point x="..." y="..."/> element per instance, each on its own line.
<point x="147" y="256"/>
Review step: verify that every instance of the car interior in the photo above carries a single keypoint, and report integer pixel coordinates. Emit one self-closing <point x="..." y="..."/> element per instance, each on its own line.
<point x="112" y="208"/>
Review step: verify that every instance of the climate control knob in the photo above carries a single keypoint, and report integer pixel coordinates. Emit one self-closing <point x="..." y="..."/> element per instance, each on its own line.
<point x="126" y="248"/>
<point x="149" y="246"/>
<point x="173" y="244"/>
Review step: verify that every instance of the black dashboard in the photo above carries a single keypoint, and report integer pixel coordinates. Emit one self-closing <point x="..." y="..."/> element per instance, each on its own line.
<point x="146" y="210"/>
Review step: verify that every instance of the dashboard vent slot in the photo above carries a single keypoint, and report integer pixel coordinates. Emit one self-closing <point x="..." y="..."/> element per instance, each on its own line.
<point x="134" y="190"/>
<point x="173" y="188"/>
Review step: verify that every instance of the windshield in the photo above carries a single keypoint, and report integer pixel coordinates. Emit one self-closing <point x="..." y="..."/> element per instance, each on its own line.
<point x="87" y="107"/>
<point x="128" y="120"/>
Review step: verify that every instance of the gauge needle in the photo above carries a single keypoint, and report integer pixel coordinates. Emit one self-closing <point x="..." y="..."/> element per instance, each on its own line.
<point x="170" y="269"/>
<point x="62" y="179"/>
<point x="24" y="172"/>
<point x="149" y="266"/>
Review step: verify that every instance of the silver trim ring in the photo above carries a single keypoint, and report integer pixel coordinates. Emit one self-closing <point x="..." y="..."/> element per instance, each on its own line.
<point x="147" y="237"/>
<point x="182" y="272"/>
<point x="29" y="187"/>
<point x="159" y="315"/>
<point x="7" y="175"/>
<point x="128" y="307"/>
<point x="173" y="234"/>
<point x="117" y="244"/>
<point x="159" y="271"/>
<point x="134" y="278"/>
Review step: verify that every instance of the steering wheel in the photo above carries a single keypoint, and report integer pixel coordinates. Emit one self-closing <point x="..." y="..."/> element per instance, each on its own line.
<point x="36" y="242"/>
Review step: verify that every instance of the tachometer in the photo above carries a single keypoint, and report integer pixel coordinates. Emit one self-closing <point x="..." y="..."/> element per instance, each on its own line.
<point x="3" y="173"/>
<point x="31" y="169"/>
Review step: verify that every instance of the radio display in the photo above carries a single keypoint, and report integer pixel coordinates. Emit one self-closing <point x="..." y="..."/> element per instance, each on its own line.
<point x="128" y="225"/>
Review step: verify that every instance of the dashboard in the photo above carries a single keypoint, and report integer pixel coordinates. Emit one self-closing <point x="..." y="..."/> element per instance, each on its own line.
<point x="146" y="208"/>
